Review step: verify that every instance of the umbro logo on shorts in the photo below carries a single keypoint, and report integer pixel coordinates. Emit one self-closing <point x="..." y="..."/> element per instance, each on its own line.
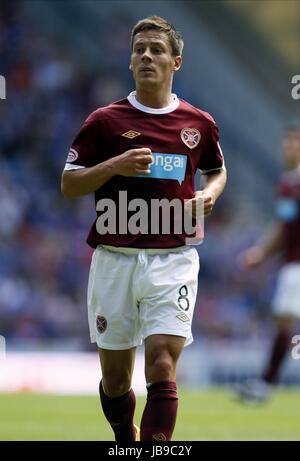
<point x="183" y="317"/>
<point x="101" y="324"/>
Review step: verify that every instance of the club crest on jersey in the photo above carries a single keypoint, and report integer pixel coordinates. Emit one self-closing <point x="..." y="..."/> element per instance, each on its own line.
<point x="131" y="134"/>
<point x="191" y="137"/>
<point x="72" y="156"/>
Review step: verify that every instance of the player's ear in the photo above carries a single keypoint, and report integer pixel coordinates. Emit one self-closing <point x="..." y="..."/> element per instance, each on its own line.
<point x="177" y="63"/>
<point x="130" y="66"/>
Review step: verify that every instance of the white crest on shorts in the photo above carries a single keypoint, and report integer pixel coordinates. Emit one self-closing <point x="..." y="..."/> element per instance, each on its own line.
<point x="72" y="156"/>
<point x="191" y="137"/>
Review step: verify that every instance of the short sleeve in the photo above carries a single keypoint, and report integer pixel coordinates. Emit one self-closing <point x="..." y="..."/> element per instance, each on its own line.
<point x="212" y="157"/>
<point x="283" y="189"/>
<point x="85" y="150"/>
<point x="286" y="205"/>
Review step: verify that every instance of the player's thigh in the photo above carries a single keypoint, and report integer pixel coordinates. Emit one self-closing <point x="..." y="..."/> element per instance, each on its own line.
<point x="286" y="301"/>
<point x="117" y="369"/>
<point x="112" y="309"/>
<point x="161" y="355"/>
<point x="171" y="285"/>
<point x="285" y="322"/>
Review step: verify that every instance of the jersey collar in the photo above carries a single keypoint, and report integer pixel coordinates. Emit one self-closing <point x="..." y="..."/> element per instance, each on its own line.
<point x="151" y="110"/>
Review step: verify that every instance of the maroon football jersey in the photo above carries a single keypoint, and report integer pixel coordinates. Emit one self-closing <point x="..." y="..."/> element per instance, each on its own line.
<point x="288" y="211"/>
<point x="182" y="139"/>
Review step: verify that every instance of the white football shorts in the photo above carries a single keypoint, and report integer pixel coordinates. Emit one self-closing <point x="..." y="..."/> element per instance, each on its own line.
<point x="286" y="299"/>
<point x="134" y="293"/>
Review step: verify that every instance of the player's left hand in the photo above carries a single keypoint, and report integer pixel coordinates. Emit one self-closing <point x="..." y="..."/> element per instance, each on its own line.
<point x="203" y="201"/>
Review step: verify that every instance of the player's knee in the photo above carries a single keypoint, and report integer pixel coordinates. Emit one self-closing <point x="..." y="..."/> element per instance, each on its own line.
<point x="161" y="368"/>
<point x="116" y="385"/>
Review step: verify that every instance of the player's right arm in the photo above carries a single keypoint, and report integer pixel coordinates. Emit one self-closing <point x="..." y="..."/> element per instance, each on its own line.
<point x="271" y="243"/>
<point x="83" y="181"/>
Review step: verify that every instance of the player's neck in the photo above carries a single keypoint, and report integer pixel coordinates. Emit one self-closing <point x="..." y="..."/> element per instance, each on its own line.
<point x="156" y="100"/>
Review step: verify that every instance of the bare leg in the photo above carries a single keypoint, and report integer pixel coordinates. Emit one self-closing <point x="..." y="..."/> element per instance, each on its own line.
<point x="159" y="417"/>
<point x="116" y="396"/>
<point x="280" y="347"/>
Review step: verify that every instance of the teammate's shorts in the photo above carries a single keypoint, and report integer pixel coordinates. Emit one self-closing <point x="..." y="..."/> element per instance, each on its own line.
<point x="134" y="293"/>
<point x="287" y="294"/>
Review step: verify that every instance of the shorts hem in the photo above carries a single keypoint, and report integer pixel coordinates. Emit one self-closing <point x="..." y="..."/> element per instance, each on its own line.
<point x="115" y="347"/>
<point x="188" y="339"/>
<point x="283" y="312"/>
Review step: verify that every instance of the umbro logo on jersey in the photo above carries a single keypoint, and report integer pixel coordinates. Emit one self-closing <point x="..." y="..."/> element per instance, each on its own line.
<point x="191" y="137"/>
<point x="131" y="134"/>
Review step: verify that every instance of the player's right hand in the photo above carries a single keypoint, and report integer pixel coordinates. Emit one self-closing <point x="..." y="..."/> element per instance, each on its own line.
<point x="251" y="258"/>
<point x="133" y="162"/>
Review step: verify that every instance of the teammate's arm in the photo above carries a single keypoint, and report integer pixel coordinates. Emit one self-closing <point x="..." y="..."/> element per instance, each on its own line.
<point x="271" y="243"/>
<point x="83" y="181"/>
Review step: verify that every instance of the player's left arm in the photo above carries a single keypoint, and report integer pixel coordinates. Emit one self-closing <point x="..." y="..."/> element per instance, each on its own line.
<point x="215" y="184"/>
<point x="211" y="165"/>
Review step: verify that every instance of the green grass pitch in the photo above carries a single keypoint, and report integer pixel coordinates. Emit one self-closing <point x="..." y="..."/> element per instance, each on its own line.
<point x="203" y="415"/>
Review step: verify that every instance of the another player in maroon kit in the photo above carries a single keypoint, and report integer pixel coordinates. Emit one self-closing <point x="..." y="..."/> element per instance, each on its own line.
<point x="284" y="238"/>
<point x="142" y="285"/>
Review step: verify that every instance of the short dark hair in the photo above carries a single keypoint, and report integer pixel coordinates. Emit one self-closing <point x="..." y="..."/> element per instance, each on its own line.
<point x="161" y="25"/>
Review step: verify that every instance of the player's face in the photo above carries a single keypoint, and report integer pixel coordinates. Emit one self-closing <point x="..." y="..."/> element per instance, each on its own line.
<point x="152" y="62"/>
<point x="291" y="149"/>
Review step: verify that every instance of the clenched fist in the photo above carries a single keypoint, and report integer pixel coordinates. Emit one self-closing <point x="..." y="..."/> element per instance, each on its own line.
<point x="133" y="162"/>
